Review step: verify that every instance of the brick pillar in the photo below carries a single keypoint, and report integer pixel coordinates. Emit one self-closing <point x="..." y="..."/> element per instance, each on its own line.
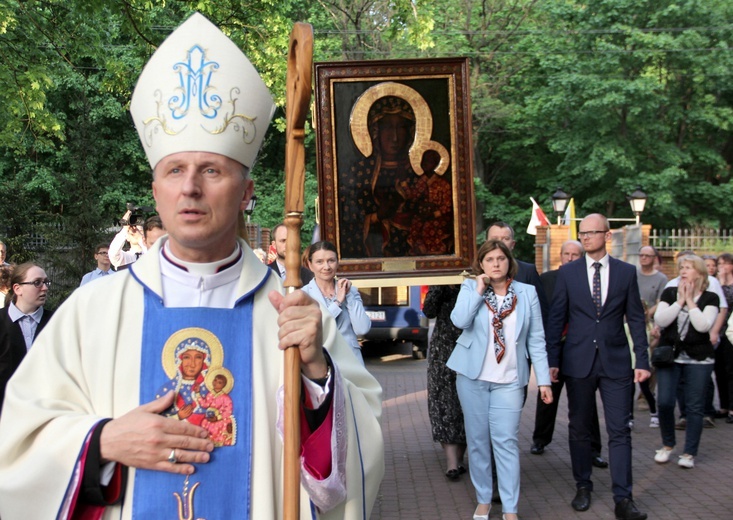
<point x="548" y="242"/>
<point x="540" y="241"/>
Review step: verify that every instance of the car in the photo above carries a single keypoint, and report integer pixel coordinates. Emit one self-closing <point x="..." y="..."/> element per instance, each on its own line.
<point x="396" y="314"/>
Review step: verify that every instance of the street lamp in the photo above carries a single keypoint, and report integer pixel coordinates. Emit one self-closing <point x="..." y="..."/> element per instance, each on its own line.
<point x="637" y="200"/>
<point x="560" y="202"/>
<point x="250" y="207"/>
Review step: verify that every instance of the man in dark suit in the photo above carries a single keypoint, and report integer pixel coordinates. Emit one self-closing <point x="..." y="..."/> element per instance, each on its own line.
<point x="21" y="319"/>
<point x="592" y="296"/>
<point x="279" y="239"/>
<point x="545" y="414"/>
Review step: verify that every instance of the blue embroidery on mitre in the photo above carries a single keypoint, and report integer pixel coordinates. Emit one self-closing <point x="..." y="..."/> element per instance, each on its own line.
<point x="194" y="76"/>
<point x="200" y="93"/>
<point x="195" y="87"/>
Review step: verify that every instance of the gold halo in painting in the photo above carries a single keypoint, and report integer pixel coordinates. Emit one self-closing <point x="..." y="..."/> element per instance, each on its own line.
<point x="168" y="356"/>
<point x="211" y="375"/>
<point x="359" y="125"/>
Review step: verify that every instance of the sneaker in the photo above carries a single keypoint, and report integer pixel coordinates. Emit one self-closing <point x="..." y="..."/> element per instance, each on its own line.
<point x="708" y="422"/>
<point x="654" y="422"/>
<point x="681" y="424"/>
<point x="686" y="461"/>
<point x="631" y="425"/>
<point x="662" y="455"/>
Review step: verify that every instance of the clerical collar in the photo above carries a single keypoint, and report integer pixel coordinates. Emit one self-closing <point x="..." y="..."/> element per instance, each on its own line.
<point x="205" y="269"/>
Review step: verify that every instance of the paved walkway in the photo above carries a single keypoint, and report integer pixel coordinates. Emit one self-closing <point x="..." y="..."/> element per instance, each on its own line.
<point x="414" y="487"/>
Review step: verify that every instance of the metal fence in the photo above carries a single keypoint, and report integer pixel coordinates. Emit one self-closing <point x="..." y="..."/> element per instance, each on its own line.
<point x="700" y="240"/>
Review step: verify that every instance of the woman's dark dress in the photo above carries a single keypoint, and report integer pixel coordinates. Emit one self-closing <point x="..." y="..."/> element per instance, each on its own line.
<point x="444" y="408"/>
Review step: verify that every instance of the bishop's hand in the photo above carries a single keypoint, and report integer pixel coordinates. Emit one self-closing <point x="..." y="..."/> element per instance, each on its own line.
<point x="142" y="438"/>
<point x="300" y="326"/>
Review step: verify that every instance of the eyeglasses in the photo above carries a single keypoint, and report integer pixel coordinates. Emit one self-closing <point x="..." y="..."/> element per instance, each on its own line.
<point x="643" y="255"/>
<point x="37" y="283"/>
<point x="583" y="234"/>
<point x="103" y="253"/>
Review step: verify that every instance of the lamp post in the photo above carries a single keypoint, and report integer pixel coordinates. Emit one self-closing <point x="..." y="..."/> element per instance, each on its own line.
<point x="637" y="200"/>
<point x="250" y="207"/>
<point x="559" y="203"/>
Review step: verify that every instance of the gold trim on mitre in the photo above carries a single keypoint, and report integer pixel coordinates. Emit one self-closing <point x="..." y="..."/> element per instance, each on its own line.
<point x="200" y="93"/>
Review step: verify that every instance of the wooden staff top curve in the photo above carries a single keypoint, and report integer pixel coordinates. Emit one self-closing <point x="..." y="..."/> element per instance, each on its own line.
<point x="299" y="87"/>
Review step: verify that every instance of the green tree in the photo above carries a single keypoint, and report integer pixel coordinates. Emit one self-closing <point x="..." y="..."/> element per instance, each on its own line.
<point x="623" y="93"/>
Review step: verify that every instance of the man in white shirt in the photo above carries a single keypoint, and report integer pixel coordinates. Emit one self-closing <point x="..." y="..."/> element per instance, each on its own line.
<point x="140" y="237"/>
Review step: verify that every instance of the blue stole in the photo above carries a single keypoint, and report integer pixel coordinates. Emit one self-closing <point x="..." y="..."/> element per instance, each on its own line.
<point x="205" y="356"/>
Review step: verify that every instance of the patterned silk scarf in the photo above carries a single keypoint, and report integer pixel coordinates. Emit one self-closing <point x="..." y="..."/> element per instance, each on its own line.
<point x="497" y="322"/>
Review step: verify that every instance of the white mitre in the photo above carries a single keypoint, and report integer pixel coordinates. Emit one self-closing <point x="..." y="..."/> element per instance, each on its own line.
<point x="200" y="93"/>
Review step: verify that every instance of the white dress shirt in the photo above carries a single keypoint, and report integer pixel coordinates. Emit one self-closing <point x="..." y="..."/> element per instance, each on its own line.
<point x="604" y="275"/>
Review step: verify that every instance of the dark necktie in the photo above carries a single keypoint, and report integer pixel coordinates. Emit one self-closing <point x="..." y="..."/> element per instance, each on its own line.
<point x="597" y="287"/>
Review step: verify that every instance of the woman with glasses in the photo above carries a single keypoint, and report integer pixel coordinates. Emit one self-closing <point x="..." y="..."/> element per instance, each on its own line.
<point x="22" y="318"/>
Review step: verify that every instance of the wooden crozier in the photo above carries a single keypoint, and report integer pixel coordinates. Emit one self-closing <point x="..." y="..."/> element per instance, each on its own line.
<point x="300" y="64"/>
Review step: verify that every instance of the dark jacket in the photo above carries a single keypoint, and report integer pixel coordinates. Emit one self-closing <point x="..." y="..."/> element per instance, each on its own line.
<point x="572" y="304"/>
<point x="12" y="346"/>
<point x="527" y="273"/>
<point x="305" y="274"/>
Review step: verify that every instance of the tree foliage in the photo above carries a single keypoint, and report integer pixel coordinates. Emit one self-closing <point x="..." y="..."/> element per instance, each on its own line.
<point x="597" y="96"/>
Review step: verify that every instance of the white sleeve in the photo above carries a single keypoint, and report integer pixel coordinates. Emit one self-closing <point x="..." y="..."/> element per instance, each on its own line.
<point x="117" y="256"/>
<point x="666" y="313"/>
<point x="703" y="319"/>
<point x="316" y="392"/>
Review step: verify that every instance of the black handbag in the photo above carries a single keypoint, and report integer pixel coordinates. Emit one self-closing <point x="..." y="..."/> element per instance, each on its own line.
<point x="663" y="356"/>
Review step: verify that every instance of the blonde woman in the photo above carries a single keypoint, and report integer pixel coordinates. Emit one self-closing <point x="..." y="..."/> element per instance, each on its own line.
<point x="686" y="315"/>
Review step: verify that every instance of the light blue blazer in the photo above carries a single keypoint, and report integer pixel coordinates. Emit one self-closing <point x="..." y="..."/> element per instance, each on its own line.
<point x="351" y="317"/>
<point x="471" y="314"/>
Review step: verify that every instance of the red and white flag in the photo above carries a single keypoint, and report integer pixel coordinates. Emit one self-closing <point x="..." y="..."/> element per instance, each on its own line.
<point x="538" y="218"/>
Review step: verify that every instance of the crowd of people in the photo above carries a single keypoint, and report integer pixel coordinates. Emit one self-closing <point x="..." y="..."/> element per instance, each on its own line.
<point x="152" y="384"/>
<point x="489" y="333"/>
<point x="609" y="327"/>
